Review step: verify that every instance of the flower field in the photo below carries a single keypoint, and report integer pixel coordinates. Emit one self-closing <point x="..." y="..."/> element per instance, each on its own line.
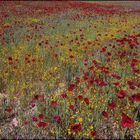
<point x="69" y="70"/>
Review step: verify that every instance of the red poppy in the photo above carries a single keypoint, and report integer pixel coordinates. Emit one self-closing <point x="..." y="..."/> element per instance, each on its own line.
<point x="112" y="105"/>
<point x="91" y="68"/>
<point x="35" y="97"/>
<point x="97" y="80"/>
<point x="64" y="95"/>
<point x="121" y="94"/>
<point x="93" y="133"/>
<point x="80" y="97"/>
<point x="41" y="116"/>
<point x="135" y="97"/>
<point x="72" y="107"/>
<point x="77" y="127"/>
<point x="42" y="124"/>
<point x="126" y="121"/>
<point x="95" y="62"/>
<point x="9" y="110"/>
<point x="38" y="97"/>
<point x="116" y="76"/>
<point x="103" y="50"/>
<point x="34" y="118"/>
<point x="85" y="77"/>
<point x="77" y="80"/>
<point x="116" y="84"/>
<point x="131" y="84"/>
<point x="138" y="85"/>
<point x="53" y="104"/>
<point x="32" y="105"/>
<point x="103" y="83"/>
<point x="57" y="119"/>
<point x="134" y="62"/>
<point x="108" y="53"/>
<point x="71" y="87"/>
<point x="91" y="82"/>
<point x="105" y="114"/>
<point x="86" y="100"/>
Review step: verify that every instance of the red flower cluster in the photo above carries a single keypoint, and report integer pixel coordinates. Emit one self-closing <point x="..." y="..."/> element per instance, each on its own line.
<point x="38" y="97"/>
<point x="126" y="121"/>
<point x="57" y="119"/>
<point x="105" y="114"/>
<point x="112" y="105"/>
<point x="53" y="104"/>
<point x="77" y="127"/>
<point x="86" y="100"/>
<point x="9" y="109"/>
<point x="42" y="124"/>
<point x="135" y="97"/>
<point x="71" y="87"/>
<point x="121" y="94"/>
<point x="93" y="133"/>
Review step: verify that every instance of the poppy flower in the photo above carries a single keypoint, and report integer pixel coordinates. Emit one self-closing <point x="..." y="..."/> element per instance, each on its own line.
<point x="86" y="100"/>
<point x="103" y="83"/>
<point x="112" y="105"/>
<point x="71" y="107"/>
<point x="116" y="76"/>
<point x="97" y="80"/>
<point x="131" y="84"/>
<point x="91" y="68"/>
<point x="116" y="84"/>
<point x="93" y="133"/>
<point x="134" y="62"/>
<point x="126" y="121"/>
<point x="41" y="116"/>
<point x="91" y="82"/>
<point x="121" y="94"/>
<point x="135" y="97"/>
<point x="32" y="105"/>
<point x="85" y="77"/>
<point x="57" y="119"/>
<point x="64" y="95"/>
<point x="77" y="127"/>
<point x="38" y="97"/>
<point x="42" y="124"/>
<point x="9" y="110"/>
<point x="34" y="118"/>
<point x="105" y="114"/>
<point x="53" y="104"/>
<point x="35" y="97"/>
<point x="80" y="97"/>
<point x="103" y="50"/>
<point x="138" y="85"/>
<point x="95" y="62"/>
<point x="77" y="80"/>
<point x="108" y="54"/>
<point x="71" y="87"/>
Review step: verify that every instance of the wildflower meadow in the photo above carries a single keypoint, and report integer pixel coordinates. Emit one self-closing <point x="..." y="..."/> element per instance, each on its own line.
<point x="69" y="70"/>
